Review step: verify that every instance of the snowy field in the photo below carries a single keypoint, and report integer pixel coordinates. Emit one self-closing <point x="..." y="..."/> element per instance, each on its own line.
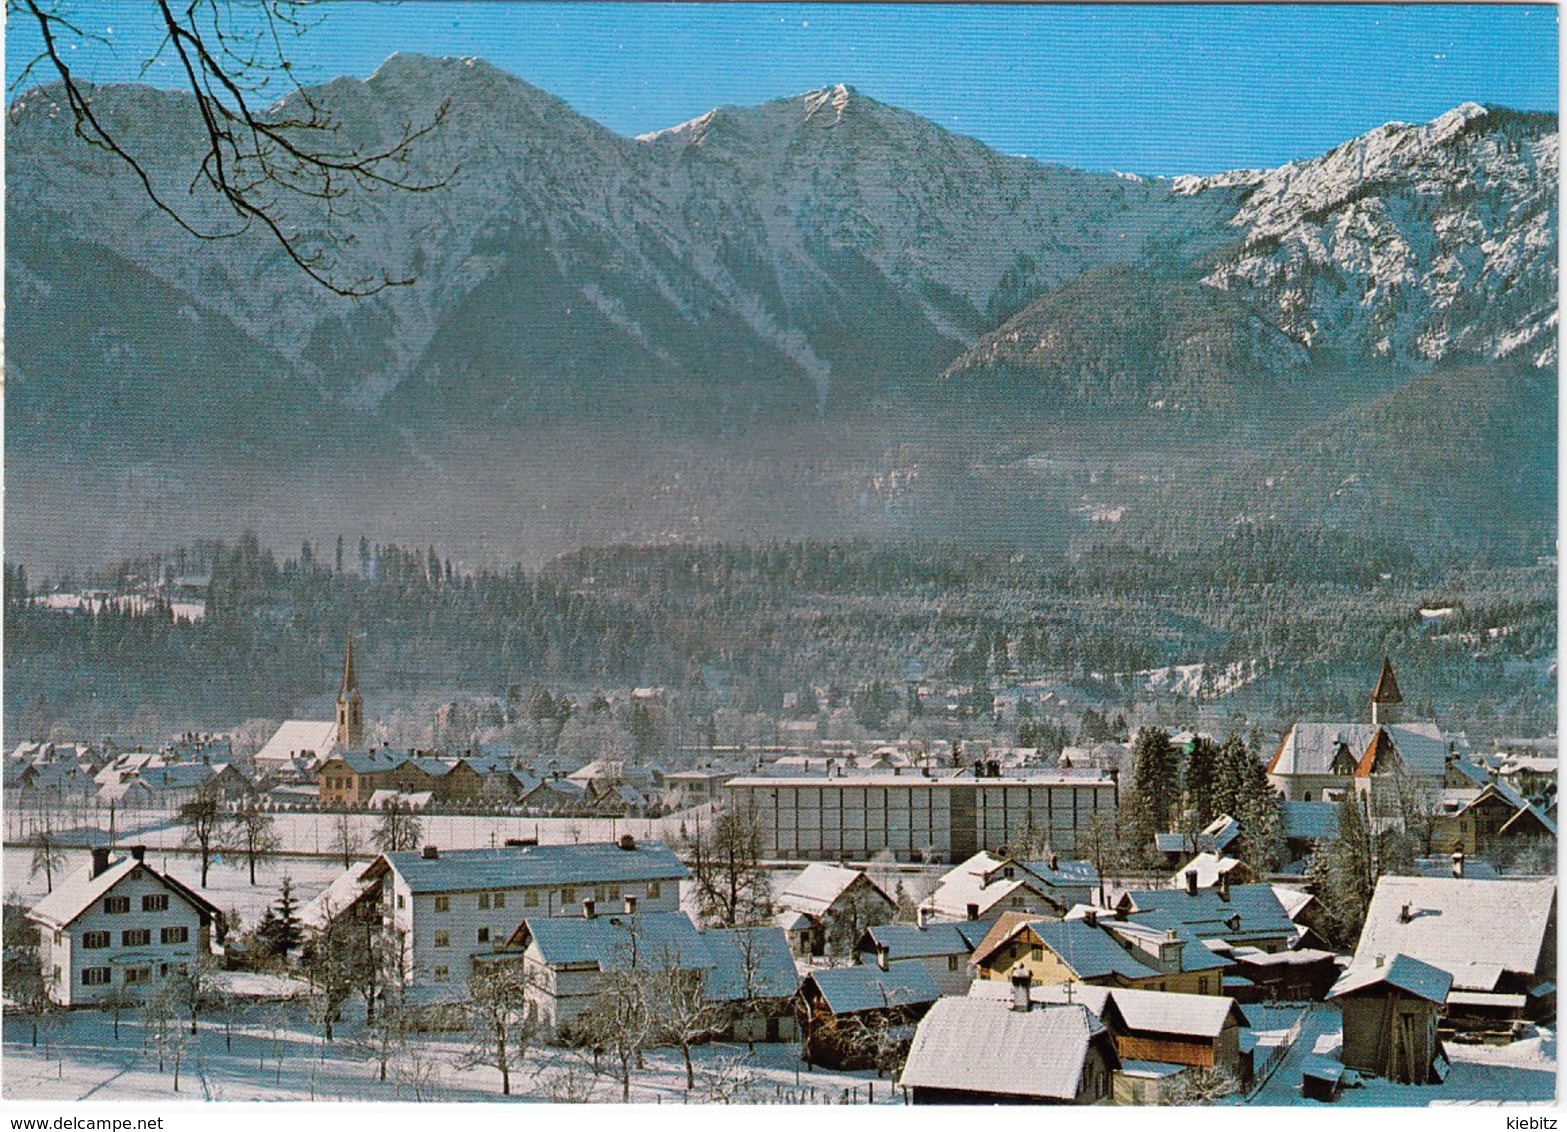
<point x="272" y="1054"/>
<point x="1523" y="1072"/>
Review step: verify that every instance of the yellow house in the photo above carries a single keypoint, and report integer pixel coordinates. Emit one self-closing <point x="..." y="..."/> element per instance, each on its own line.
<point x="1149" y="953"/>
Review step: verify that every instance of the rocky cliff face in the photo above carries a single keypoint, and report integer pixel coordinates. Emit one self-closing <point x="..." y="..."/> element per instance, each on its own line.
<point x="813" y="252"/>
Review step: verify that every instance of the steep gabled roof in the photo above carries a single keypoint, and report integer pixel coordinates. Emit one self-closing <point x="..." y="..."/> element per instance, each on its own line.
<point x="1381" y="756"/>
<point x="81" y="890"/>
<point x="1386" y="691"/>
<point x="818" y="887"/>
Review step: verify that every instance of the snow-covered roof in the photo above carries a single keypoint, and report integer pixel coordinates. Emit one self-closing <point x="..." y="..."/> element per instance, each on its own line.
<point x="77" y="892"/>
<point x="1165" y="1012"/>
<point x="460" y="870"/>
<point x="346" y="888"/>
<point x="1309" y="821"/>
<point x="1250" y="911"/>
<point x="973" y="1045"/>
<point x="790" y="920"/>
<point x="749" y="963"/>
<point x="80" y="890"/>
<point x="1083" y="994"/>
<point x="618" y="942"/>
<point x="818" y="887"/>
<point x="1209" y="867"/>
<point x="909" y="941"/>
<point x="1292" y="900"/>
<point x="1401" y="971"/>
<point x="1473" y="929"/>
<point x="1310" y="748"/>
<point x="296" y="735"/>
<point x="849" y="990"/>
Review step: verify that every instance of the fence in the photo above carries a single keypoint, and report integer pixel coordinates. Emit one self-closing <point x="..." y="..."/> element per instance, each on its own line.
<point x="1270" y="1064"/>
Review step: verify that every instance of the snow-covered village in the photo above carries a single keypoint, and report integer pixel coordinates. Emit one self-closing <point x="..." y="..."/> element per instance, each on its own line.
<point x="1368" y="918"/>
<point x="836" y="554"/>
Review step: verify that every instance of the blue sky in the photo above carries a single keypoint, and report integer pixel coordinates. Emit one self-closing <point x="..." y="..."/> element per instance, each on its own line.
<point x="1149" y="89"/>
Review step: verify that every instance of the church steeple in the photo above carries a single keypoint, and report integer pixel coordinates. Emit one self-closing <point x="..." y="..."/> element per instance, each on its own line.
<point x="350" y="707"/>
<point x="1385" y="696"/>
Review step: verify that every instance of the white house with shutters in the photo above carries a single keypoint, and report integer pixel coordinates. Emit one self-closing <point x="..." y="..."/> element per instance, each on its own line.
<point x="119" y="925"/>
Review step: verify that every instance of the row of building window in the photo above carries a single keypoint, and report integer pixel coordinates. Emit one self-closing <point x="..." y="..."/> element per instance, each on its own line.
<point x="119" y="905"/>
<point x="133" y="976"/>
<point x="135" y="937"/>
<point x="530" y="897"/>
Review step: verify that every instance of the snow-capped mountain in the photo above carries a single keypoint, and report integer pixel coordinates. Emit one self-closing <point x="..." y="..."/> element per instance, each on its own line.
<point x="815" y="251"/>
<point x="1414" y="243"/>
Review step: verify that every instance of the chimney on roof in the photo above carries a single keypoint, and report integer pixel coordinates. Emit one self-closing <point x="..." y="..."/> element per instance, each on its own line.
<point x="431" y="853"/>
<point x="1091" y="917"/>
<point x="881" y="956"/>
<point x="1405" y="914"/>
<point x="100" y="859"/>
<point x="587" y="909"/>
<point x="627" y="842"/>
<point x="1022" y="1001"/>
<point x="921" y="917"/>
<point x="1224" y="887"/>
<point x="1191" y="882"/>
<point x="1055" y="861"/>
<point x="973" y="911"/>
<point x="630" y="905"/>
<point x="1458" y="865"/>
<point x="1234" y="922"/>
<point x="1379" y="959"/>
<point x="138" y="852"/>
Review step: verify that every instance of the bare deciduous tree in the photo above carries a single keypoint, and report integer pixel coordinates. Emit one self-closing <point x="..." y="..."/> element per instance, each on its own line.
<point x="48" y="854"/>
<point x="284" y="167"/>
<point x="732" y="886"/>
<point x="202" y="818"/>
<point x="399" y="828"/>
<point x="501" y="1023"/>
<point x="251" y="832"/>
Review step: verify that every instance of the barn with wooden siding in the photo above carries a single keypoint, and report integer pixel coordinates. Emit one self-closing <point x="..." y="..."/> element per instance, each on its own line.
<point x="1391" y="1007"/>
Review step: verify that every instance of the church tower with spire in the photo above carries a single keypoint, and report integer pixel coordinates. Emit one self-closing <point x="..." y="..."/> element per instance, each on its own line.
<point x="1385" y="697"/>
<point x="350" y="707"/>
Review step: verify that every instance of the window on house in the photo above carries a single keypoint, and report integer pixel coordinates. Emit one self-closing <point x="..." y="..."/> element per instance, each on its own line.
<point x="568" y="896"/>
<point x="530" y="899"/>
<point x="484" y="901"/>
<point x="174" y="935"/>
<point x="952" y="962"/>
<point x="484" y="935"/>
<point x="500" y="900"/>
<point x="158" y="902"/>
<point x="163" y="970"/>
<point x="443" y="903"/>
<point x="1202" y="985"/>
<point x="442" y="974"/>
<point x="654" y="889"/>
<point x="95" y="976"/>
<point x="400" y="903"/>
<point x="1037" y="954"/>
<point x="135" y="937"/>
<point x="137" y="975"/>
<point x="442" y="939"/>
<point x="92" y="941"/>
<point x="115" y="905"/>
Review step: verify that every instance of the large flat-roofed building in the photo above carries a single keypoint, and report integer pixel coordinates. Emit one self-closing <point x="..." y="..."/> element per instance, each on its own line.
<point x="947" y="815"/>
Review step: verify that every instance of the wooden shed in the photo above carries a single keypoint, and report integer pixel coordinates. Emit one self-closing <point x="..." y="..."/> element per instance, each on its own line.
<point x="1391" y="1008"/>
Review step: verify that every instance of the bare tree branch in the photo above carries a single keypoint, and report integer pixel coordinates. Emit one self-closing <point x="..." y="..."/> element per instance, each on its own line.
<point x="257" y="161"/>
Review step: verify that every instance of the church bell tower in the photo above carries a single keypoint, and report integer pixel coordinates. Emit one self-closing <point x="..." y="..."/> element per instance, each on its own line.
<point x="350" y="707"/>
